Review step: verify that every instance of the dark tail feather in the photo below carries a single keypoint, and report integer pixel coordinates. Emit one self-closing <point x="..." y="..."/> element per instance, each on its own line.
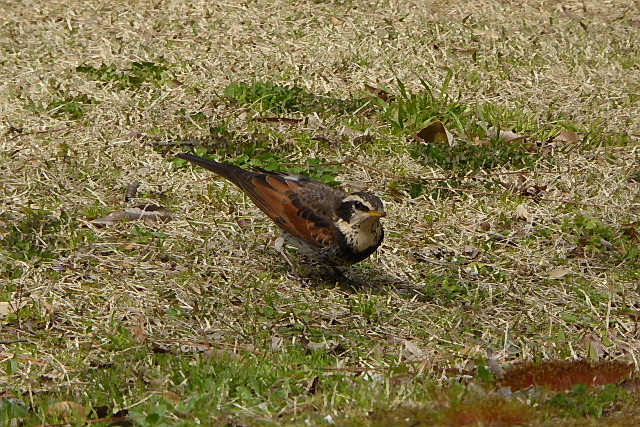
<point x="232" y="172"/>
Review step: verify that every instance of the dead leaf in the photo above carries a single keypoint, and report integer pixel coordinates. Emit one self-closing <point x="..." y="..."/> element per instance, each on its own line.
<point x="139" y="332"/>
<point x="523" y="213"/>
<point x="357" y="136"/>
<point x="567" y="136"/>
<point x="67" y="410"/>
<point x="276" y="343"/>
<point x="607" y="244"/>
<point x="132" y="190"/>
<point x="158" y="349"/>
<point x="436" y="133"/>
<point x="494" y="364"/>
<point x="401" y="379"/>
<point x="337" y="22"/>
<point x="377" y="92"/>
<point x="471" y="251"/>
<point x="594" y="345"/>
<point x="412" y="352"/>
<point x="152" y="213"/>
<point x="532" y="190"/>
<point x="559" y="272"/>
<point x="313" y="385"/>
<point x="506" y="136"/>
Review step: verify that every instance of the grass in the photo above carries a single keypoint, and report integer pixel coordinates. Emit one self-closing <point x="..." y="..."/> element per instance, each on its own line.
<point x="131" y="78"/>
<point x="505" y="292"/>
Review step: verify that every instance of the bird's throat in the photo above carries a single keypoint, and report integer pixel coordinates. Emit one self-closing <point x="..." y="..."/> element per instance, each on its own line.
<point x="361" y="236"/>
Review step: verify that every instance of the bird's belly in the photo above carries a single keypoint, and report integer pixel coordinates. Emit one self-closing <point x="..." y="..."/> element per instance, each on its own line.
<point x="319" y="254"/>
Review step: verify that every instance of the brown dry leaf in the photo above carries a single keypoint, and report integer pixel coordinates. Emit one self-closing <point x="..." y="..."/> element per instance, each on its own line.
<point x="532" y="190"/>
<point x="139" y="332"/>
<point x="494" y="364"/>
<point x="313" y="385"/>
<point x="559" y="272"/>
<point x="471" y="251"/>
<point x="485" y="226"/>
<point x="8" y="307"/>
<point x="356" y="136"/>
<point x="67" y="410"/>
<point x="152" y="213"/>
<point x="276" y="343"/>
<point x="52" y="377"/>
<point x="523" y="213"/>
<point x="506" y="136"/>
<point x="411" y="351"/>
<point x="594" y="345"/>
<point x="337" y="22"/>
<point x="567" y="136"/>
<point x="436" y="133"/>
<point x="377" y="92"/>
<point x="401" y="379"/>
<point x="132" y="190"/>
<point x="158" y="349"/>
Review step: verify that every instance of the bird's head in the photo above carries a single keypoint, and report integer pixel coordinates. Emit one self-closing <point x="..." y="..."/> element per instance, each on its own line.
<point x="359" y="208"/>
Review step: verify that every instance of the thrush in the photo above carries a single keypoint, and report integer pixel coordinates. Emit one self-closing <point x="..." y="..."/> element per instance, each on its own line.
<point x="327" y="225"/>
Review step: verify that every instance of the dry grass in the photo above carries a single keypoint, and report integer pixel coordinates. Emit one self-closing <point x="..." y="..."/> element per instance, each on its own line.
<point x="211" y="275"/>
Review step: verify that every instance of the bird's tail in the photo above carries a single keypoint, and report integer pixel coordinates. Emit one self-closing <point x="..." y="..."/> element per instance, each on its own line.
<point x="231" y="172"/>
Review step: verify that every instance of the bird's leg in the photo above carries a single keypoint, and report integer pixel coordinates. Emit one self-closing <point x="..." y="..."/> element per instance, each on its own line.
<point x="338" y="274"/>
<point x="279" y="245"/>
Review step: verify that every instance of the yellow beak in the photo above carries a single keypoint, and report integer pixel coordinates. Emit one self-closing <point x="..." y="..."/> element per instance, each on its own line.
<point x="377" y="214"/>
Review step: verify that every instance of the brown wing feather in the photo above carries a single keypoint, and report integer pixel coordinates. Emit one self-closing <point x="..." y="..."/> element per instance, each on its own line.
<point x="287" y="203"/>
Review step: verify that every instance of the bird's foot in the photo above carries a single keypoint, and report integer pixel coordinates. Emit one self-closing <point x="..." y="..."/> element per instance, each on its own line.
<point x="337" y="275"/>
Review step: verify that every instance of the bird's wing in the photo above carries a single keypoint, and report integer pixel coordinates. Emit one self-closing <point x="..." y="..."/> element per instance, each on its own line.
<point x="302" y="206"/>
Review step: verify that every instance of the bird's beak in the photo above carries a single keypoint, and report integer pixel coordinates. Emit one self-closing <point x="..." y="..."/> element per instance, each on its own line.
<point x="377" y="214"/>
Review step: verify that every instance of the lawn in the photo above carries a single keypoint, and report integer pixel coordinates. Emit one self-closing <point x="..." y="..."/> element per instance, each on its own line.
<point x="503" y="138"/>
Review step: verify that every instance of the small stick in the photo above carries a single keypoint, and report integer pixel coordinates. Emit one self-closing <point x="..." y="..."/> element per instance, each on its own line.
<point x="42" y="131"/>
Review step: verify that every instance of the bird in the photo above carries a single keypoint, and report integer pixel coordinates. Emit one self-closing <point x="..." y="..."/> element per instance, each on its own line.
<point x="328" y="226"/>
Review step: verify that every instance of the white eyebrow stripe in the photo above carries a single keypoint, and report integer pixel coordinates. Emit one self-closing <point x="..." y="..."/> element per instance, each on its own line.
<point x="353" y="198"/>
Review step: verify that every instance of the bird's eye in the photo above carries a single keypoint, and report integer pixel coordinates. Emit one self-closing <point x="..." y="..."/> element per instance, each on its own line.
<point x="360" y="206"/>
